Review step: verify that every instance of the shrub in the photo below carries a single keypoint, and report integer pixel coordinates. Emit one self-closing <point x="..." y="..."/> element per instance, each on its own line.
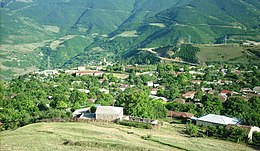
<point x="256" y="138"/>
<point x="136" y="124"/>
<point x="192" y="130"/>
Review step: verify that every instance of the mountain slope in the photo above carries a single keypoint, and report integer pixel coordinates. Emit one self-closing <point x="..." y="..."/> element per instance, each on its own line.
<point x="117" y="29"/>
<point x="162" y="23"/>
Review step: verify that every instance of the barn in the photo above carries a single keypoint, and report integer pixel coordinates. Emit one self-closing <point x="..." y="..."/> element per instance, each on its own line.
<point x="109" y="113"/>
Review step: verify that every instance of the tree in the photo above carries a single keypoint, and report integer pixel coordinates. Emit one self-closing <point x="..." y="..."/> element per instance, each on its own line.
<point x="136" y="102"/>
<point x="105" y="99"/>
<point x="77" y="97"/>
<point x="236" y="107"/>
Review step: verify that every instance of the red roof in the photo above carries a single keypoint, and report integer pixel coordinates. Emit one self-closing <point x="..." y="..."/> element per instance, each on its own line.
<point x="225" y="91"/>
<point x="180" y="114"/>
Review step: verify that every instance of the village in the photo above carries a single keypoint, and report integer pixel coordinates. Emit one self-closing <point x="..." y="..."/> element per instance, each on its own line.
<point x="194" y="83"/>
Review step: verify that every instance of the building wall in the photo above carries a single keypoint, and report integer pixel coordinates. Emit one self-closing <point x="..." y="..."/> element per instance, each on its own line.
<point x="109" y="117"/>
<point x="198" y="122"/>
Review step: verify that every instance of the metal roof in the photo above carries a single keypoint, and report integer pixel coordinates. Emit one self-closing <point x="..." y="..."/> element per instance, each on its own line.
<point x="218" y="119"/>
<point x="109" y="110"/>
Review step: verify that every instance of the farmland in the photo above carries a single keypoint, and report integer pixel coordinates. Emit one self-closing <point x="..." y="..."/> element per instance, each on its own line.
<point x="104" y="136"/>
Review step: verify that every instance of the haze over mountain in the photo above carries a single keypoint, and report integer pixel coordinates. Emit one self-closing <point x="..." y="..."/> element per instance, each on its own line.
<point x="75" y="32"/>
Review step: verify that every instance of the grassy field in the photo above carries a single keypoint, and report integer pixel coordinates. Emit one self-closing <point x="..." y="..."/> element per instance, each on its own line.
<point x="222" y="53"/>
<point x="107" y="136"/>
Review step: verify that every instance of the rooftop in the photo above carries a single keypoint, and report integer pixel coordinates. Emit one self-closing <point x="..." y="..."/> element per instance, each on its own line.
<point x="108" y="110"/>
<point x="219" y="119"/>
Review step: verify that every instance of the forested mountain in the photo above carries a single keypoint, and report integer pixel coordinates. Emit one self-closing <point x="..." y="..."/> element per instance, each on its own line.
<point x="117" y="28"/>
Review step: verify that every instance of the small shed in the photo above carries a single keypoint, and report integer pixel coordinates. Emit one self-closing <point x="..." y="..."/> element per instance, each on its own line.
<point x="109" y="113"/>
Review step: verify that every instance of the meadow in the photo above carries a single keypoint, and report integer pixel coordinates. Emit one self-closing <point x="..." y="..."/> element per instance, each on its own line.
<point x="108" y="136"/>
<point x="224" y="53"/>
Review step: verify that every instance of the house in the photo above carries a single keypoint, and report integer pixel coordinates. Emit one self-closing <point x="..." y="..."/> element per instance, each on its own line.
<point x="89" y="72"/>
<point x="154" y="91"/>
<point x="256" y="90"/>
<point x="212" y="119"/>
<point x="206" y="90"/>
<point x="71" y="71"/>
<point x="104" y="91"/>
<point x="123" y="87"/>
<point x="156" y="85"/>
<point x="76" y="82"/>
<point x="82" y="73"/>
<point x="223" y="98"/>
<point x="227" y="93"/>
<point x="190" y="94"/>
<point x="159" y="98"/>
<point x="83" y="113"/>
<point x="109" y="113"/>
<point x="81" y="68"/>
<point x="196" y="82"/>
<point x="247" y="90"/>
<point x="196" y="73"/>
<point x="184" y="115"/>
<point x="48" y="72"/>
<point x="92" y="100"/>
<point x="98" y="74"/>
<point x="102" y="80"/>
<point x="149" y="83"/>
<point x="84" y="91"/>
<point x="179" y="100"/>
<point x="211" y="91"/>
<point x="98" y="68"/>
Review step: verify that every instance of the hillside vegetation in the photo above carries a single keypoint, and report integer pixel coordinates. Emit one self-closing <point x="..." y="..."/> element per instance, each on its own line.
<point x="118" y="27"/>
<point x="107" y="136"/>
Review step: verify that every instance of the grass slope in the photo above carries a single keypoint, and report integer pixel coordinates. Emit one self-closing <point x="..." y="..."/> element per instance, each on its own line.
<point x="223" y="54"/>
<point x="107" y="136"/>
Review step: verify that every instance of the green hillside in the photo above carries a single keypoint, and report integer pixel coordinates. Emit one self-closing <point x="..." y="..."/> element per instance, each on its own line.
<point x="117" y="29"/>
<point x="107" y="136"/>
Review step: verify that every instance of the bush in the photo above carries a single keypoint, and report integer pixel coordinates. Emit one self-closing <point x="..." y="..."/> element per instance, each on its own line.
<point x="192" y="130"/>
<point x="256" y="138"/>
<point x="136" y="124"/>
<point x="237" y="134"/>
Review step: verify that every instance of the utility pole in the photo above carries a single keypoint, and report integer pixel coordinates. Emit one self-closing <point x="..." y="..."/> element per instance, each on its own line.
<point x="225" y="40"/>
<point x="189" y="39"/>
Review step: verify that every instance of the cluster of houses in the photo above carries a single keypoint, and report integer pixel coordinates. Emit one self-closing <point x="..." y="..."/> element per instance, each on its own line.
<point x="110" y="113"/>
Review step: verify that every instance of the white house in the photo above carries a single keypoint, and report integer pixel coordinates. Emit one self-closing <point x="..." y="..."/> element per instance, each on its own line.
<point x="81" y="68"/>
<point x="159" y="98"/>
<point x="84" y="90"/>
<point x="149" y="83"/>
<point x="104" y="90"/>
<point x="109" y="113"/>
